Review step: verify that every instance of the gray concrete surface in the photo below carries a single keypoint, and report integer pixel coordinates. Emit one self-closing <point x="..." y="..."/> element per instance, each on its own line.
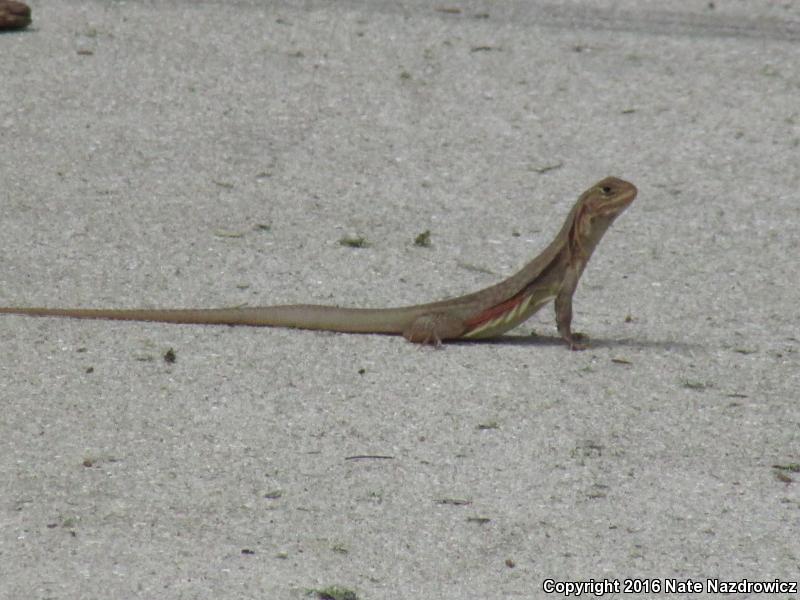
<point x="213" y="153"/>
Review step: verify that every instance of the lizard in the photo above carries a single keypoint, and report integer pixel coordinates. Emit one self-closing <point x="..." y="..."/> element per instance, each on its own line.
<point x="487" y="313"/>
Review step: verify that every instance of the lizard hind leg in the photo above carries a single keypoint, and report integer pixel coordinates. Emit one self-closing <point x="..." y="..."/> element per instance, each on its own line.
<point x="433" y="328"/>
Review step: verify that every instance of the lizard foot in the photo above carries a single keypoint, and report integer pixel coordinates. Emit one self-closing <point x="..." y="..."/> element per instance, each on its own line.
<point x="433" y="328"/>
<point x="577" y="341"/>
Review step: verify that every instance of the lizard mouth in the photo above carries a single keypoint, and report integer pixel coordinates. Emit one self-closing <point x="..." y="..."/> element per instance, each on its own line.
<point x="620" y="203"/>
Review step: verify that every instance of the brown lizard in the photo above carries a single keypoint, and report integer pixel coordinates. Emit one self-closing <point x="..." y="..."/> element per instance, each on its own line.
<point x="554" y="274"/>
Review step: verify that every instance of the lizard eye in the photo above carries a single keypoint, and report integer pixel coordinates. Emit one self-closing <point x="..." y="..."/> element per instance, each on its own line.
<point x="606" y="190"/>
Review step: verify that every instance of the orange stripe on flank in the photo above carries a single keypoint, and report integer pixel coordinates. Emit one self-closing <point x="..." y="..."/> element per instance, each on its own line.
<point x="495" y="311"/>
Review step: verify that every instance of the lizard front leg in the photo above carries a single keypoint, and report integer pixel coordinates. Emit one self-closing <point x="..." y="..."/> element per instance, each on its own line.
<point x="432" y="328"/>
<point x="564" y="309"/>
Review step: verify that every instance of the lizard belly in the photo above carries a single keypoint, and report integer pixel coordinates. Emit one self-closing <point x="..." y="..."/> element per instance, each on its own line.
<point x="508" y="319"/>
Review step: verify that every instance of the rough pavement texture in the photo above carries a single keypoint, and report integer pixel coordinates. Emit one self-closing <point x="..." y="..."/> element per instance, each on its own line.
<point x="210" y="154"/>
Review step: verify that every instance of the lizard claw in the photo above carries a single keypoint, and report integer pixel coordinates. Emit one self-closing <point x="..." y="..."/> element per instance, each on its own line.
<point x="431" y="329"/>
<point x="576" y="341"/>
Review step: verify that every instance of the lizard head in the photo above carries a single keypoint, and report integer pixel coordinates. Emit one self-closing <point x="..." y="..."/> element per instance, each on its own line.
<point x="607" y="198"/>
<point x="596" y="210"/>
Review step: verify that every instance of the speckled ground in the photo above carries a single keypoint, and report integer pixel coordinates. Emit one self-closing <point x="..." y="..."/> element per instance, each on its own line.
<point x="214" y="154"/>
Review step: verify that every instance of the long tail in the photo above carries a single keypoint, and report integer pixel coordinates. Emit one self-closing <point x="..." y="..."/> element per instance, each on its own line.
<point x="303" y="316"/>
